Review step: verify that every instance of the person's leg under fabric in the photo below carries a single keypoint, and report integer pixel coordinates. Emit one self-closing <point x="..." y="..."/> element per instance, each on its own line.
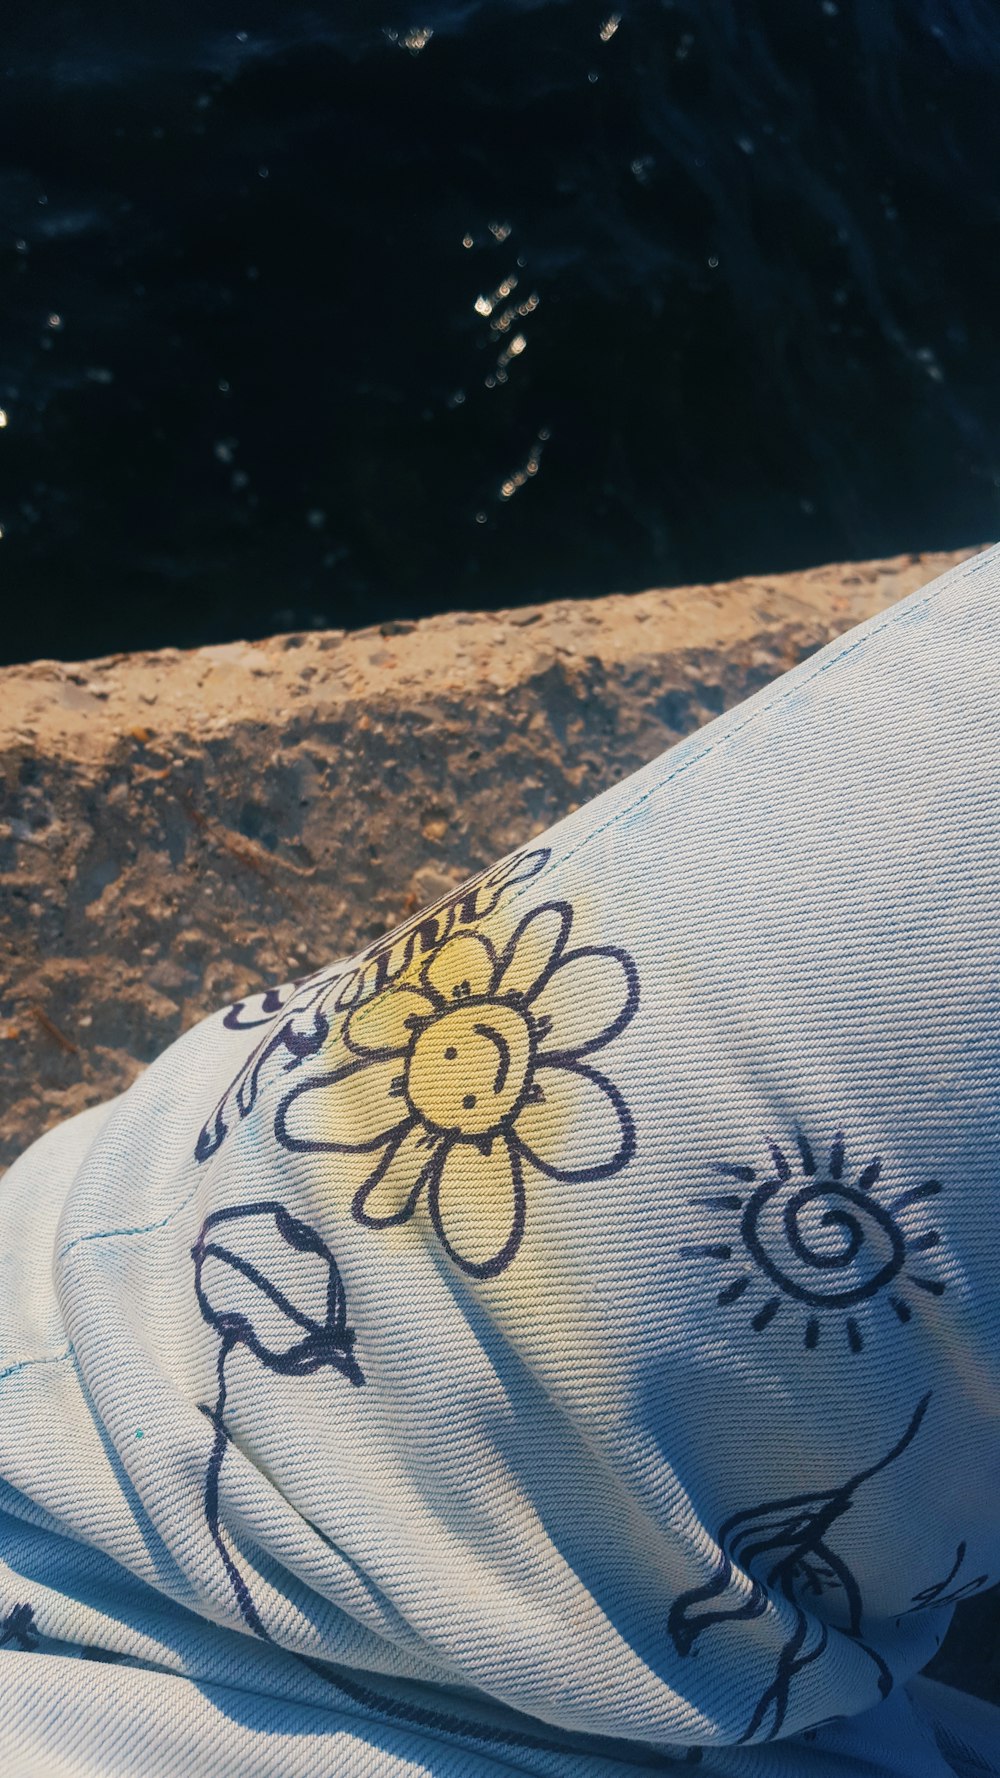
<point x="563" y="1339"/>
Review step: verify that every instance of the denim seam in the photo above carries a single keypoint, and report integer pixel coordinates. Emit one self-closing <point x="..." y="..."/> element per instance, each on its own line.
<point x="23" y="1364"/>
<point x="146" y="1228"/>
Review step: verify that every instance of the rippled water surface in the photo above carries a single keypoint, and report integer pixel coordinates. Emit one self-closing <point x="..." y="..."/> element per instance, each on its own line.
<point x="329" y="314"/>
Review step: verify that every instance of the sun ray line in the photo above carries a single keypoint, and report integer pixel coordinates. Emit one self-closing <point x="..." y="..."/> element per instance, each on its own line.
<point x="718" y="1201"/>
<point x="812" y="1333"/>
<point x="854" y="1339"/>
<point x="808" y="1158"/>
<point x="928" y="1190"/>
<point x="707" y="1250"/>
<point x="837" y="1155"/>
<point x="871" y="1173"/>
<point x="732" y="1292"/>
<point x="733" y="1171"/>
<point x="782" y="1167"/>
<point x="932" y="1238"/>
<point x="933" y="1286"/>
<point x="902" y="1309"/>
<point x="766" y="1314"/>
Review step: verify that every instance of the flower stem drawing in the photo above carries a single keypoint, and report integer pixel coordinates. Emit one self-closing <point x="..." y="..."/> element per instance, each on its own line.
<point x="294" y="1327"/>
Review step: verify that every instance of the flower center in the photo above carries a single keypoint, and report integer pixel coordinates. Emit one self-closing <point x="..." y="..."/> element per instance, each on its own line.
<point x="468" y="1067"/>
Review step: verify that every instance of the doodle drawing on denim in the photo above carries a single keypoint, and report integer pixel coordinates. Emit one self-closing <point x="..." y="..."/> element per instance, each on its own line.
<point x="247" y="1308"/>
<point x="823" y="1242"/>
<point x="470" y="1074"/>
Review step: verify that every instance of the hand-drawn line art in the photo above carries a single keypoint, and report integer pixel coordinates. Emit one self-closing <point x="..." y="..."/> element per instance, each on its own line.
<point x="470" y="1072"/>
<point x="296" y="1021"/>
<point x="781" y="1549"/>
<point x="443" y="1722"/>
<point x="308" y="1341"/>
<point x="18" y="1629"/>
<point x="942" y="1592"/>
<point x="304" y="1029"/>
<point x="820" y="1241"/>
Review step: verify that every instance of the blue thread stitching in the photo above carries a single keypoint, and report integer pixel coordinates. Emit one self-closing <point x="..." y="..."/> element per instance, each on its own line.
<point x="147" y="1228"/>
<point x="23" y="1364"/>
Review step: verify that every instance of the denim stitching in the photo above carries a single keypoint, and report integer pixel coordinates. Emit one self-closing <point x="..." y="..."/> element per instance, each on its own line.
<point x="146" y="1228"/>
<point x="22" y="1364"/>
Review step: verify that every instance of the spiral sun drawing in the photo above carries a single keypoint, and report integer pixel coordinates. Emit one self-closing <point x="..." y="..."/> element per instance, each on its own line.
<point x="819" y="1240"/>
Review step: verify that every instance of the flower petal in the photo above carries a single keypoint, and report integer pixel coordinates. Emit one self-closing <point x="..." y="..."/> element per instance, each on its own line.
<point x="533" y="948"/>
<point x="383" y="1025"/>
<point x="349" y="1110"/>
<point x="395" y="1183"/>
<point x="580" y="1127"/>
<point x="589" y="997"/>
<point x="476" y="1202"/>
<point x="463" y="966"/>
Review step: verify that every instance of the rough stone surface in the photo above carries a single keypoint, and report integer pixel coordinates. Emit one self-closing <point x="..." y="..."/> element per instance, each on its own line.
<point x="179" y="829"/>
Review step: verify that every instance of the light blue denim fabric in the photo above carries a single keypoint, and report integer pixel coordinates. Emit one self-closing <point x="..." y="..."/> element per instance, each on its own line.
<point x="564" y="1338"/>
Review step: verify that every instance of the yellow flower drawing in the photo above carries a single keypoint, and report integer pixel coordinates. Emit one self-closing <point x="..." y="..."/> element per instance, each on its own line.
<point x="471" y="1077"/>
<point x="296" y="1020"/>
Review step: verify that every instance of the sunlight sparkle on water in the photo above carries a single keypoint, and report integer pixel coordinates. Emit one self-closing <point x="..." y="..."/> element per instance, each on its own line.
<point x="485" y="305"/>
<point x="518" y="477"/>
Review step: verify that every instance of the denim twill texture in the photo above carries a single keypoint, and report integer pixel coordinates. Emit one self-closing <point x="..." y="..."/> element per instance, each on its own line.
<point x="562" y="1339"/>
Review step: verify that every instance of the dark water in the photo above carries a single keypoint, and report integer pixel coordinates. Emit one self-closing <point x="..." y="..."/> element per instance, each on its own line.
<point x="332" y="313"/>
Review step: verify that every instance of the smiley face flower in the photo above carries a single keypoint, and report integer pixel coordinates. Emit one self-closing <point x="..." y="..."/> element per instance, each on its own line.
<point x="471" y="1076"/>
